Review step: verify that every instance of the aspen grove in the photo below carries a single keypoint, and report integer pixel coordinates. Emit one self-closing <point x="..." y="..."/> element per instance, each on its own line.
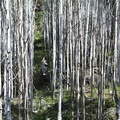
<point x="85" y="39"/>
<point x="81" y="56"/>
<point x="16" y="57"/>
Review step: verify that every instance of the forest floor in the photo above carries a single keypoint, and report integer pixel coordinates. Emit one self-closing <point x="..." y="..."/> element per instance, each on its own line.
<point x="46" y="107"/>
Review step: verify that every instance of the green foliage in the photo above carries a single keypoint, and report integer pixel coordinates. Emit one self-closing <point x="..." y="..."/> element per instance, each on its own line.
<point x="118" y="91"/>
<point x="39" y="21"/>
<point x="109" y="103"/>
<point x="38" y="36"/>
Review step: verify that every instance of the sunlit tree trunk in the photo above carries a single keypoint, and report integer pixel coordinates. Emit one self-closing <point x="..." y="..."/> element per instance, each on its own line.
<point x="60" y="58"/>
<point x="82" y="52"/>
<point x="20" y="58"/>
<point x="17" y="28"/>
<point x="91" y="71"/>
<point x="54" y="48"/>
<point x="25" y="56"/>
<point x="73" y="55"/>
<point x="78" y="58"/>
<point x="15" y="72"/>
<point x="8" y="63"/>
<point x="65" y="42"/>
<point x="85" y="55"/>
<point x="116" y="43"/>
<point x="68" y="43"/>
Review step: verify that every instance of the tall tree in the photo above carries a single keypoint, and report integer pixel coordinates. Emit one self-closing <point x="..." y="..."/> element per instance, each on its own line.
<point x="60" y="58"/>
<point x="54" y="47"/>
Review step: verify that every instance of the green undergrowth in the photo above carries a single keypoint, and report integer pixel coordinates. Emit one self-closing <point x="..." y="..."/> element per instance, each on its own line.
<point x="47" y="106"/>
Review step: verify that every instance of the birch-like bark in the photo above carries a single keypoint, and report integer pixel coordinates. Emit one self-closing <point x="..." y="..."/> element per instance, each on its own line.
<point x="68" y="43"/>
<point x="85" y="57"/>
<point x="8" y="64"/>
<point x="19" y="58"/>
<point x="31" y="51"/>
<point x="15" y="72"/>
<point x="64" y="41"/>
<point x="101" y="60"/>
<point x="82" y="47"/>
<point x="73" y="55"/>
<point x="45" y="25"/>
<point x="54" y="48"/>
<point x="116" y="43"/>
<point x="11" y="45"/>
<point x="60" y="58"/>
<point x="91" y="72"/>
<point x="78" y="58"/>
<point x="25" y="56"/>
<point x="15" y="40"/>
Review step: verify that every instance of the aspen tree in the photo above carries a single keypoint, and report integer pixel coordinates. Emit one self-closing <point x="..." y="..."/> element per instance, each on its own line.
<point x="31" y="51"/>
<point x="16" y="42"/>
<point x="91" y="71"/>
<point x="117" y="56"/>
<point x="45" y="25"/>
<point x="116" y="43"/>
<point x="78" y="58"/>
<point x="15" y="72"/>
<point x="87" y="49"/>
<point x="100" y="80"/>
<point x="68" y="42"/>
<point x="73" y="55"/>
<point x="64" y="39"/>
<point x="54" y="48"/>
<point x="82" y="47"/>
<point x="19" y="58"/>
<point x="60" y="58"/>
<point x="85" y="55"/>
<point x="8" y="63"/>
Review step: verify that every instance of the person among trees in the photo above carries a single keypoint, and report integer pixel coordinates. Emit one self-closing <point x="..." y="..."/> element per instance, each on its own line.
<point x="44" y="66"/>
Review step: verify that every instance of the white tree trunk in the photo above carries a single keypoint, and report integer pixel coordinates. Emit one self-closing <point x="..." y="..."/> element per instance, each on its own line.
<point x="54" y="48"/>
<point x="0" y="65"/>
<point x="8" y="63"/>
<point x="60" y="58"/>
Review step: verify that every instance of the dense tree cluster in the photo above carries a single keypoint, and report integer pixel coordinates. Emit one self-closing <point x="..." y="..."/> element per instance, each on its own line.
<point x="85" y="39"/>
<point x="16" y="56"/>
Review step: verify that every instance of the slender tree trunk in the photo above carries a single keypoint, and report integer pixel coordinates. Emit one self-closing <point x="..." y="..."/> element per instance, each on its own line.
<point x="20" y="58"/>
<point x="60" y="58"/>
<point x="117" y="46"/>
<point x="0" y="65"/>
<point x="85" y="56"/>
<point x="73" y="55"/>
<point x="54" y="48"/>
<point x="78" y="58"/>
<point x="68" y="43"/>
<point x="31" y="52"/>
<point x="8" y="64"/>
